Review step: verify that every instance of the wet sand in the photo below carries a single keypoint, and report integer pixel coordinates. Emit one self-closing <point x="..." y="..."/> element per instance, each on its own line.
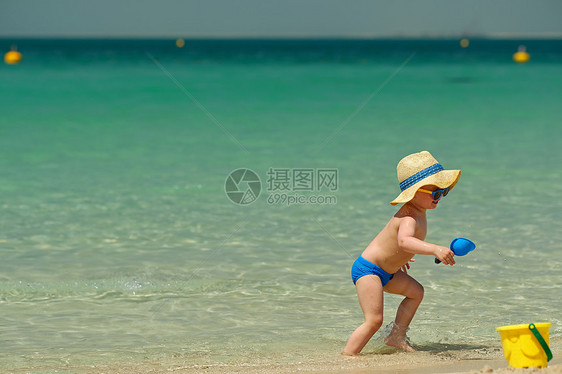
<point x="396" y="363"/>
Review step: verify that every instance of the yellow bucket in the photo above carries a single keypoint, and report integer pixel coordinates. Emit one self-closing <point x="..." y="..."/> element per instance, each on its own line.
<point x="526" y="346"/>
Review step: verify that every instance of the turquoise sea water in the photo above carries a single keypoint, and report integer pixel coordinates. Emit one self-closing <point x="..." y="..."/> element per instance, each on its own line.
<point x="120" y="244"/>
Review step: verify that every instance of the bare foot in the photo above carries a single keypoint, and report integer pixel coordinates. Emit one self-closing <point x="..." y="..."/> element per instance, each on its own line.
<point x="348" y="355"/>
<point x="399" y="342"/>
<point x="397" y="338"/>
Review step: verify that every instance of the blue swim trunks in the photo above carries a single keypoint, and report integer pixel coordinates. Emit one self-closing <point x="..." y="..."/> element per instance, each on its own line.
<point x="362" y="267"/>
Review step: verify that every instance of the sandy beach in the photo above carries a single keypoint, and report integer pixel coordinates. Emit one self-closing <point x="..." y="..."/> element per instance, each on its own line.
<point x="396" y="363"/>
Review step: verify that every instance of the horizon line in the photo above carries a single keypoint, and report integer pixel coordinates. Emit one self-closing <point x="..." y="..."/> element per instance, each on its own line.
<point x="428" y="36"/>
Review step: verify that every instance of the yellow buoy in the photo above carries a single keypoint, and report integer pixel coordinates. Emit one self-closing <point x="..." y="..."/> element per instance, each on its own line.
<point x="465" y="43"/>
<point x="12" y="57"/>
<point x="521" y="56"/>
<point x="180" y="43"/>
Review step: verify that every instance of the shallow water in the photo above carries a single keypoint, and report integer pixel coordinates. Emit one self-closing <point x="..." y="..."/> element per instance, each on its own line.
<point x="119" y="243"/>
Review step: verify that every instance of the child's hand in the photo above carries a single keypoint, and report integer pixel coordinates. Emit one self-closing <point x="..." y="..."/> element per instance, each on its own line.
<point x="445" y="255"/>
<point x="406" y="266"/>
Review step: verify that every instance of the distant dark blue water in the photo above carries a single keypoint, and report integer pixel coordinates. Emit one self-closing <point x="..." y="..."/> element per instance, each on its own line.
<point x="292" y="50"/>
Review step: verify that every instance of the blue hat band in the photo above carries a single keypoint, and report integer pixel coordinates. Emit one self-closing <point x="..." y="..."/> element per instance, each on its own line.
<point x="408" y="182"/>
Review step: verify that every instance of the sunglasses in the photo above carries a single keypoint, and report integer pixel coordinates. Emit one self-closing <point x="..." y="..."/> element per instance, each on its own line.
<point x="437" y="194"/>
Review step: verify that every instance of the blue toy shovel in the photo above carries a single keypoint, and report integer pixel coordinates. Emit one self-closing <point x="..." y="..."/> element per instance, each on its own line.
<point x="460" y="247"/>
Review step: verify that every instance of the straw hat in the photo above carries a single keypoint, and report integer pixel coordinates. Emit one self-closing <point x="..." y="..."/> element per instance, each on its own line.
<point x="420" y="169"/>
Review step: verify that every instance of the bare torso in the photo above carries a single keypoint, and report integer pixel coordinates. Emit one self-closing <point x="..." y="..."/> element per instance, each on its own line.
<point x="384" y="250"/>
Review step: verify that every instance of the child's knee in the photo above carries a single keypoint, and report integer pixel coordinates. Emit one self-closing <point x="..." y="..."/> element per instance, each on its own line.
<point x="373" y="323"/>
<point x="416" y="292"/>
<point x="420" y="292"/>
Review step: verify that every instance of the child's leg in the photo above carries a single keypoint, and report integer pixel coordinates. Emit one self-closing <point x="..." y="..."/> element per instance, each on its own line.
<point x="405" y="285"/>
<point x="370" y="294"/>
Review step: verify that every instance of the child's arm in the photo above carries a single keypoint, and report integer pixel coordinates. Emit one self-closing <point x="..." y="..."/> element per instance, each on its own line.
<point x="409" y="243"/>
